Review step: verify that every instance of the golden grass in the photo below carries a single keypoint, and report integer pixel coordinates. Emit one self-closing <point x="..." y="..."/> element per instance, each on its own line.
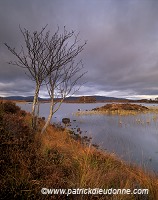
<point x="93" y="168"/>
<point x="56" y="160"/>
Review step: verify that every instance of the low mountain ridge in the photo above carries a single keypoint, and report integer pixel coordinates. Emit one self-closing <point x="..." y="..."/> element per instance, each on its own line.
<point x="75" y="98"/>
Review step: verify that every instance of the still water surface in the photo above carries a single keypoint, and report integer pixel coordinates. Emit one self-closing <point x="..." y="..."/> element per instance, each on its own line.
<point x="133" y="138"/>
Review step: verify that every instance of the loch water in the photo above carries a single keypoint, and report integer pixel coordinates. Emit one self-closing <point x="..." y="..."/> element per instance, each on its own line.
<point x="134" y="138"/>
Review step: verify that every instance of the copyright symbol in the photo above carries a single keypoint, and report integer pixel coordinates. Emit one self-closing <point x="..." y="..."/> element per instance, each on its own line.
<point x="44" y="190"/>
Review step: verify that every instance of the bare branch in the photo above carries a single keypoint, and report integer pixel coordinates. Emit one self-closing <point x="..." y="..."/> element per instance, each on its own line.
<point x="50" y="60"/>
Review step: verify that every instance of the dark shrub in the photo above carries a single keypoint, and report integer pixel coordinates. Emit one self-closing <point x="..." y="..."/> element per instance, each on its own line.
<point x="10" y="107"/>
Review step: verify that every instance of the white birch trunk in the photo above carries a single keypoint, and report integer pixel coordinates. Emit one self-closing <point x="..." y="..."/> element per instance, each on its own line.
<point x="49" y="116"/>
<point x="34" y="104"/>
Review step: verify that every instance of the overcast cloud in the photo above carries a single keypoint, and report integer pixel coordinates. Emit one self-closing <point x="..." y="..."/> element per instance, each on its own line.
<point x="121" y="55"/>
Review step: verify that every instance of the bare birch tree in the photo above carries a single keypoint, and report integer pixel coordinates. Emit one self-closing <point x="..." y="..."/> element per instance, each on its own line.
<point x="35" y="56"/>
<point x="64" y="79"/>
<point x="49" y="60"/>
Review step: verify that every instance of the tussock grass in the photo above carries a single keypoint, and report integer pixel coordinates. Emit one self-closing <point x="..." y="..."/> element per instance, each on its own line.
<point x="31" y="161"/>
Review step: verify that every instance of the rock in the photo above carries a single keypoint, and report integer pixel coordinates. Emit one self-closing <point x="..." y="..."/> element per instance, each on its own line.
<point x="43" y="118"/>
<point x="78" y="129"/>
<point x="66" y="121"/>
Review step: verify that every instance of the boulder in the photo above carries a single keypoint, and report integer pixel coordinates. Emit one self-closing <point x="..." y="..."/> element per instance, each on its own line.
<point x="66" y="121"/>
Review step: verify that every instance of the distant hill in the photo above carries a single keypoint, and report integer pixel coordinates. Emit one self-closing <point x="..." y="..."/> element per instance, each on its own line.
<point x="30" y="98"/>
<point x="22" y="98"/>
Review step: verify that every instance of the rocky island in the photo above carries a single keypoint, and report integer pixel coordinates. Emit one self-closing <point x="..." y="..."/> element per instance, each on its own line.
<point x="121" y="106"/>
<point x="117" y="108"/>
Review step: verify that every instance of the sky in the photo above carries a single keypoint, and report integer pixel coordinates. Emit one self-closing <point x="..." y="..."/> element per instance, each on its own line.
<point x="121" y="55"/>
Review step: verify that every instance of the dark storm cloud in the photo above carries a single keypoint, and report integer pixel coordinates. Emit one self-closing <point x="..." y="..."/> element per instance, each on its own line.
<point x="17" y="87"/>
<point x="122" y="51"/>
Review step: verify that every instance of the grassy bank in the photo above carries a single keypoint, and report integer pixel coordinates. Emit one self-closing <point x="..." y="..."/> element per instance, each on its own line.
<point x="31" y="161"/>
